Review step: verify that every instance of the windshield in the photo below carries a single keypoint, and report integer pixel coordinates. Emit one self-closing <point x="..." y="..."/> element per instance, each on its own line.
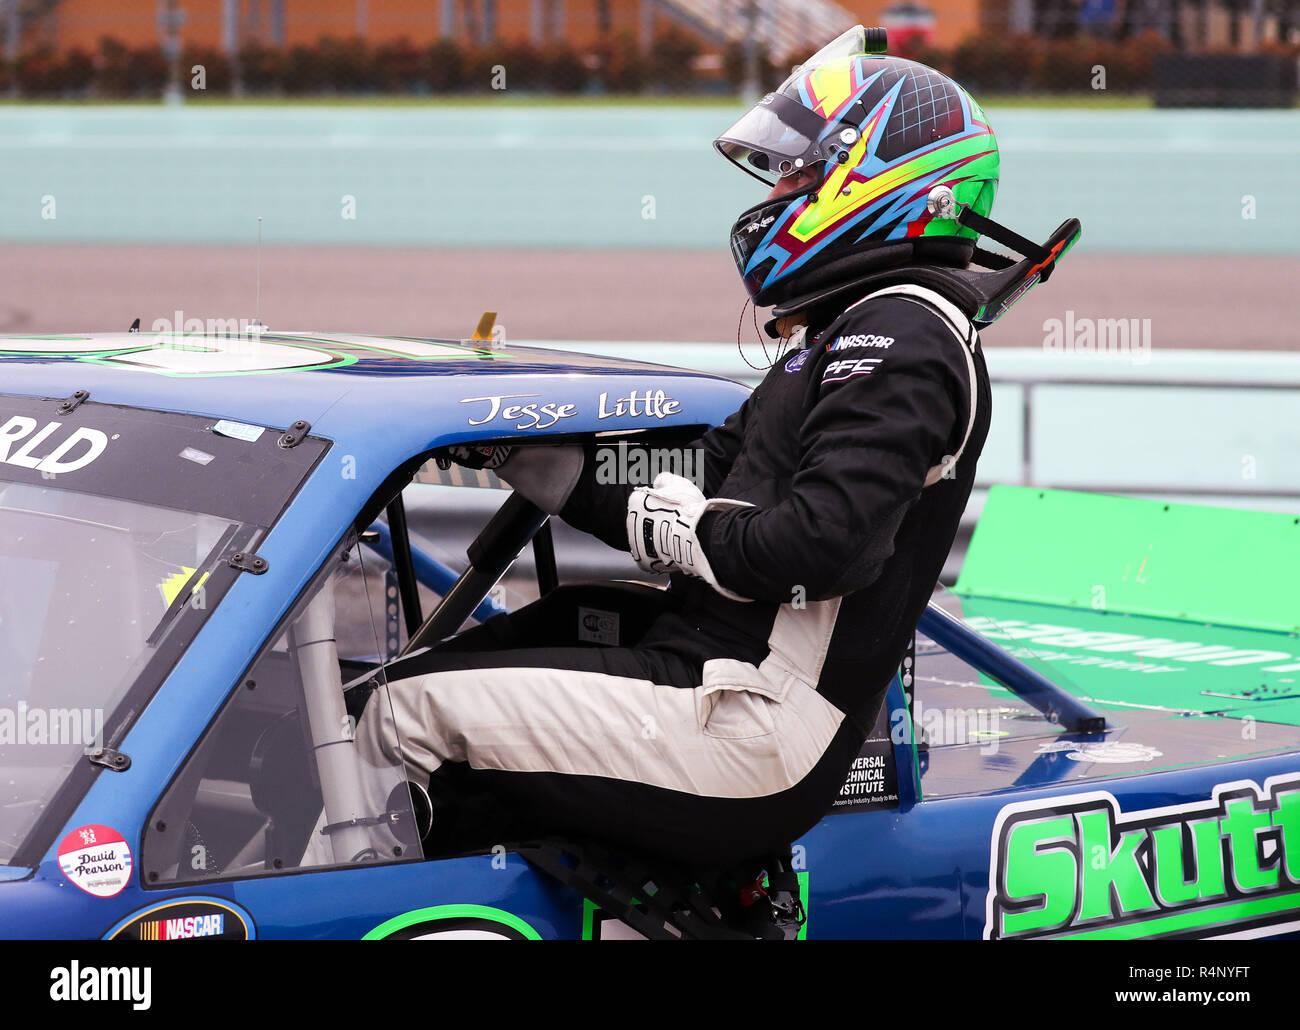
<point x="85" y="585"/>
<point x="116" y="526"/>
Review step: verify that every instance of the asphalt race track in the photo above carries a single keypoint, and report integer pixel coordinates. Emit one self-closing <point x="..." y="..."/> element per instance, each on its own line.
<point x="591" y="222"/>
<point x="1229" y="302"/>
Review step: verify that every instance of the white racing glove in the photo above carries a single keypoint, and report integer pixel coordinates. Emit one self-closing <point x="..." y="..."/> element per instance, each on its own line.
<point x="661" y="521"/>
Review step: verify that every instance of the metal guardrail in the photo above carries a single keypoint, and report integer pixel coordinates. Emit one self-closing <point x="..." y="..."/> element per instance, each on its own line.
<point x="1029" y="476"/>
<point x="1210" y="426"/>
<point x="1036" y="394"/>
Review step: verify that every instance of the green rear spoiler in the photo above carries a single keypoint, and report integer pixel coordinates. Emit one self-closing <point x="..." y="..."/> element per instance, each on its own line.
<point x="1196" y="563"/>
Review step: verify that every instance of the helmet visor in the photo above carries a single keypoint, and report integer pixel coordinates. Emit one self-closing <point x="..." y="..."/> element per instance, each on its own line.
<point x="765" y="146"/>
<point x="779" y="135"/>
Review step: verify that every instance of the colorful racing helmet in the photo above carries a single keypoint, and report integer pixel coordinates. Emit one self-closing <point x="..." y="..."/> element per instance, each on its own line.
<point x="881" y="133"/>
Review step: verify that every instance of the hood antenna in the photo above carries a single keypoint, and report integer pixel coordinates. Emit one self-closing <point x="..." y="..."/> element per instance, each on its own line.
<point x="257" y="326"/>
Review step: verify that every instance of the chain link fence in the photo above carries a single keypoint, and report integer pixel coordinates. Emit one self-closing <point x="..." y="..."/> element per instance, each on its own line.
<point x="1215" y="52"/>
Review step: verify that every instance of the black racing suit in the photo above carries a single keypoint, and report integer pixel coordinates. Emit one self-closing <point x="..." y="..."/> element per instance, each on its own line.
<point x="840" y="553"/>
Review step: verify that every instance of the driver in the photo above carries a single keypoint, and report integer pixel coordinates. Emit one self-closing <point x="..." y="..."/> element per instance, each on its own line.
<point x="829" y="502"/>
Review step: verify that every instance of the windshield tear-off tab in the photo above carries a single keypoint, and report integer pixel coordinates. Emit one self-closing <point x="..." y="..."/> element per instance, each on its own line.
<point x="74" y="402"/>
<point x="295" y="434"/>
<point x="248" y="563"/>
<point x="109" y="759"/>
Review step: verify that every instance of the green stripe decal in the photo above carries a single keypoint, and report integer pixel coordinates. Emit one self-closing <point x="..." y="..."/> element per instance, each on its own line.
<point x="1211" y="918"/>
<point x="425" y="915"/>
<point x="803" y="897"/>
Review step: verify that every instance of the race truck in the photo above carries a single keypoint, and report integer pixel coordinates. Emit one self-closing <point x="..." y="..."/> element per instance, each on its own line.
<point x="212" y="545"/>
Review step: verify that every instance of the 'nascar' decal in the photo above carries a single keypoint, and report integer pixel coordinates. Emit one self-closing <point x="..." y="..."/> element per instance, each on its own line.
<point x="1079" y="867"/>
<point x="861" y="340"/>
<point x="180" y="928"/>
<point x="97" y="859"/>
<point x="454" y="922"/>
<point x="186" y="919"/>
<point x="837" y="371"/>
<point x="63" y="452"/>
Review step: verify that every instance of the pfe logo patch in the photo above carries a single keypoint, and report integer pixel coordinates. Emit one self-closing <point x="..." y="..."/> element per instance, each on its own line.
<point x="837" y="371"/>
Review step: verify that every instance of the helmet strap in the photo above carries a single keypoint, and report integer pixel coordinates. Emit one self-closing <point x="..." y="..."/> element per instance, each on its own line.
<point x="995" y="231"/>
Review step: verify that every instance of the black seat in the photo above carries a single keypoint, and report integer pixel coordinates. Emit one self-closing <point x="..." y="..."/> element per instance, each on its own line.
<point x="605" y="613"/>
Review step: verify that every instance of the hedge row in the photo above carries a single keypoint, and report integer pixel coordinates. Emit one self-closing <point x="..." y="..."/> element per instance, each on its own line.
<point x="996" y="63"/>
<point x="349" y="66"/>
<point x="985" y="63"/>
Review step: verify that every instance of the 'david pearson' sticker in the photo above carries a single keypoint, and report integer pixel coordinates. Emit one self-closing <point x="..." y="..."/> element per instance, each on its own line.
<point x="97" y="859"/>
